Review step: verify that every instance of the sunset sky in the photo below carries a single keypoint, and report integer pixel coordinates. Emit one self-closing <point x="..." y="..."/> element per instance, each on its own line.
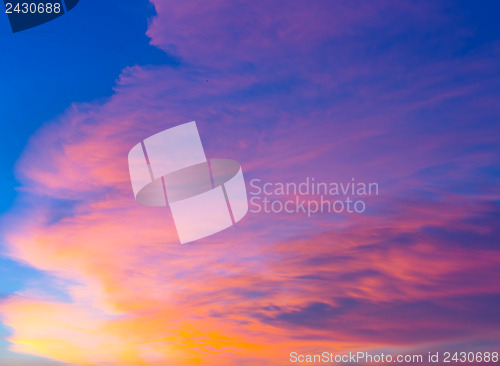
<point x="401" y="93"/>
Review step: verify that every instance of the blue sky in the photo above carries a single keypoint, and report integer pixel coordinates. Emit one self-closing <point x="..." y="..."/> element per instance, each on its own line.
<point x="75" y="58"/>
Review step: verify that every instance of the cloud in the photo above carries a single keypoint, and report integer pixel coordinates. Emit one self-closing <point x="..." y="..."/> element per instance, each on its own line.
<point x="325" y="90"/>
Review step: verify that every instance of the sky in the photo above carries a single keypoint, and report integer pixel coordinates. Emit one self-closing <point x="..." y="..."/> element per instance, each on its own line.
<point x="401" y="93"/>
